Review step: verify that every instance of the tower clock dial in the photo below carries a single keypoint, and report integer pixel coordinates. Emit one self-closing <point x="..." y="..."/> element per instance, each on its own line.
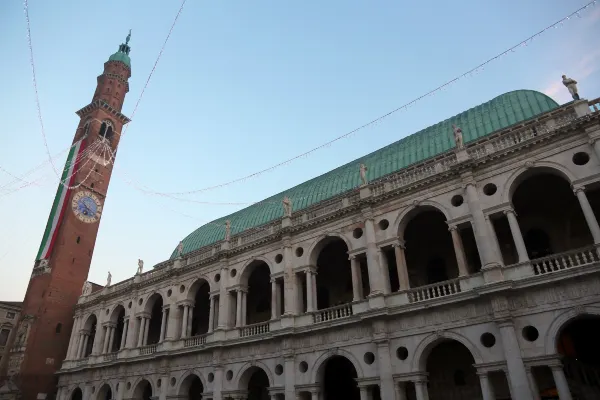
<point x="86" y="206"/>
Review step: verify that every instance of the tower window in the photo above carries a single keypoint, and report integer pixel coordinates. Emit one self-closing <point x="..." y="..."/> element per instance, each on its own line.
<point x="78" y="239"/>
<point x="58" y="328"/>
<point x="92" y="185"/>
<point x="106" y="130"/>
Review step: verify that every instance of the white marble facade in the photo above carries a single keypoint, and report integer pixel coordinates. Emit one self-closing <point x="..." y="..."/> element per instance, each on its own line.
<point x="260" y="317"/>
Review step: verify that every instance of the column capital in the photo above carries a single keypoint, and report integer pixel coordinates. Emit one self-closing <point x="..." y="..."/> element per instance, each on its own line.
<point x="399" y="243"/>
<point x="578" y="188"/>
<point x="509" y="211"/>
<point x="241" y="288"/>
<point x="84" y="332"/>
<point x="143" y="314"/>
<point x="166" y="307"/>
<point x="452" y="227"/>
<point x="109" y="324"/>
<point x="183" y="303"/>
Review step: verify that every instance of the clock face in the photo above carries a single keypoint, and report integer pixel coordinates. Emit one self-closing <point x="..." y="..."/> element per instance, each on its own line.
<point x="86" y="206"/>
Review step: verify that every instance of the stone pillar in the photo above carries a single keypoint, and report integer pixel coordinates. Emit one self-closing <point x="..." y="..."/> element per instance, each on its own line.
<point x="278" y="305"/>
<point x="486" y="387"/>
<point x="190" y="320"/>
<point x="562" y="386"/>
<point x="400" y="391"/>
<point x="146" y="329"/>
<point x="421" y="389"/>
<point x="163" y="323"/>
<point x="73" y="338"/>
<point x="494" y="238"/>
<point x="120" y="390"/>
<point x="364" y="394"/>
<point x="273" y="298"/>
<point x="488" y="255"/>
<point x="106" y="339"/>
<point x="211" y="314"/>
<point x="314" y="394"/>
<point x="356" y="279"/>
<point x="516" y="234"/>
<point x="290" y="378"/>
<point x="173" y="323"/>
<point x="461" y="259"/>
<point x="590" y="218"/>
<point x="244" y="307"/>
<point x="517" y="377"/>
<point x="141" y="331"/>
<point x="86" y="339"/>
<point x="112" y="338"/>
<point x="290" y="286"/>
<point x="309" y="294"/>
<point x="401" y="266"/>
<point x="375" y="273"/>
<point x="80" y="346"/>
<point x="223" y="301"/>
<point x="184" y="321"/>
<point x="238" y="312"/>
<point x="124" y="334"/>
<point x="385" y="271"/>
<point x="386" y="378"/>
<point x="535" y="391"/>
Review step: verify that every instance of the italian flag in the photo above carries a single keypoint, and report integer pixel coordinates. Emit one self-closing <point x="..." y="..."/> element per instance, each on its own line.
<point x="60" y="200"/>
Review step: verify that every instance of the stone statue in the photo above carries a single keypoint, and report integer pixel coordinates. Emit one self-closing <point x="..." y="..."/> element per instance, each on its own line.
<point x="21" y="335"/>
<point x="140" y="266"/>
<point x="108" y="279"/>
<point x="363" y="173"/>
<point x="87" y="289"/>
<point x="128" y="37"/>
<point x="227" y="230"/>
<point x="458" y="136"/>
<point x="571" y="84"/>
<point x="180" y="249"/>
<point x="287" y="207"/>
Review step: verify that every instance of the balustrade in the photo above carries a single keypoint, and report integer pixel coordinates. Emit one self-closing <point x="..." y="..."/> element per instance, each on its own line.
<point x="570" y="259"/>
<point x="194" y="341"/>
<point x="255" y="329"/>
<point x="150" y="349"/>
<point x="594" y="105"/>
<point x="332" y="313"/>
<point x="110" y="356"/>
<point x="437" y="290"/>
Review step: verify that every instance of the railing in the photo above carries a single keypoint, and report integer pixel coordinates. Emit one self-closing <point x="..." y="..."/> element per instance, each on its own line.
<point x="255" y="329"/>
<point x="594" y="105"/>
<point x="330" y="314"/>
<point x="82" y="361"/>
<point x="326" y="209"/>
<point x="150" y="349"/>
<point x="434" y="291"/>
<point x="110" y="356"/>
<point x="195" y="341"/>
<point x="570" y="259"/>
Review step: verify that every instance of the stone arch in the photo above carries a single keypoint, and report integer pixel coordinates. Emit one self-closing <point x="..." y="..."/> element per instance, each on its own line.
<point x="318" y="368"/>
<point x="114" y="314"/>
<point x="245" y="373"/>
<point x="521" y="174"/>
<point x="183" y="385"/>
<point x="76" y="393"/>
<point x="104" y="388"/>
<point x="561" y="321"/>
<point x="321" y="242"/>
<point x="409" y="213"/>
<point x="249" y="267"/>
<point x="136" y="386"/>
<point x="151" y="299"/>
<point x="419" y="360"/>
<point x="195" y="284"/>
<point x="90" y="319"/>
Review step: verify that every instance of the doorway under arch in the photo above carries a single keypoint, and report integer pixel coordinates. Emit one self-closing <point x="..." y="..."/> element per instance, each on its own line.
<point x="77" y="394"/>
<point x="191" y="388"/>
<point x="105" y="393"/>
<point x="143" y="390"/>
<point x="339" y="380"/>
<point x="334" y="278"/>
<point x="258" y="301"/>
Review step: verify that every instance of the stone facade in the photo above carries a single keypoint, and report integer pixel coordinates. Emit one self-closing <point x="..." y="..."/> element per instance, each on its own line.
<point x="9" y="315"/>
<point x="448" y="282"/>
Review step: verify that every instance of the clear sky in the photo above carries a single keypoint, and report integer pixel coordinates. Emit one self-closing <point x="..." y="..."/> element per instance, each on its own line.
<point x="243" y="85"/>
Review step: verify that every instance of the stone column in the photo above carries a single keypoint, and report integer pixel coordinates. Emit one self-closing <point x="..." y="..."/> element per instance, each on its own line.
<point x="588" y="213"/>
<point x="73" y="337"/>
<point x="173" y="323"/>
<point x="244" y="307"/>
<point x="314" y="394"/>
<point x="400" y="391"/>
<point x="106" y="339"/>
<point x="386" y="378"/>
<point x="86" y="339"/>
<point x="356" y="279"/>
<point x="79" y="352"/>
<point x="112" y="338"/>
<point x="211" y="314"/>
<point x="290" y="287"/>
<point x="184" y="321"/>
<point x="516" y="234"/>
<point x="401" y="266"/>
<point x="517" y="377"/>
<point x="141" y="331"/>
<point x="223" y="301"/>
<point x="124" y="334"/>
<point x="273" y="298"/>
<point x="487" y="253"/>
<point x="562" y="386"/>
<point x="421" y="389"/>
<point x="309" y="289"/>
<point x="375" y="273"/>
<point x="163" y="323"/>
<point x="290" y="377"/>
<point x="146" y="328"/>
<point x="238" y="312"/>
<point x="121" y="390"/>
<point x="459" y="250"/>
<point x="190" y="320"/>
<point x="494" y="238"/>
<point x="486" y="387"/>
<point x="278" y="305"/>
<point x="385" y="271"/>
<point x="364" y="394"/>
<point x="535" y="391"/>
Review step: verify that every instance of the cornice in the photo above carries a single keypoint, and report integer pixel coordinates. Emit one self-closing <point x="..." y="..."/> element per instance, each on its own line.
<point x="100" y="104"/>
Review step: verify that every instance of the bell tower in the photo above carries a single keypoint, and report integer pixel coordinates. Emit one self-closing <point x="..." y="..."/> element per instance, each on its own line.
<point x="63" y="261"/>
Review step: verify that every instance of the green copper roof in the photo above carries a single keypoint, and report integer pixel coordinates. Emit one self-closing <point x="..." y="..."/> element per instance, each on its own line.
<point x="503" y="111"/>
<point x="123" y="53"/>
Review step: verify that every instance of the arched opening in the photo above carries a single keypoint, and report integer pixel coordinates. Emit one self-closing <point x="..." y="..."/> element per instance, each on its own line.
<point x="77" y="394"/>
<point x="155" y="305"/>
<point x="258" y="302"/>
<point x="549" y="214"/>
<point x="105" y="393"/>
<point x="339" y="379"/>
<point x="334" y="277"/>
<point x="191" y="388"/>
<point x="430" y="255"/>
<point x="258" y="385"/>
<point x="106" y="131"/>
<point x="118" y="318"/>
<point x="451" y="372"/>
<point x="199" y="292"/>
<point x="90" y="332"/>
<point x="580" y="349"/>
<point x="143" y="390"/>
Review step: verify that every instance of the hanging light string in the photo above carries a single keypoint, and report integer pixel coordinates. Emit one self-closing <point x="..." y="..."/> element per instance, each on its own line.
<point x="474" y="70"/>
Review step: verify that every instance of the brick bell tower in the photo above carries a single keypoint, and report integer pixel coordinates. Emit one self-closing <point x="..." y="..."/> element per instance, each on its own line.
<point x="63" y="261"/>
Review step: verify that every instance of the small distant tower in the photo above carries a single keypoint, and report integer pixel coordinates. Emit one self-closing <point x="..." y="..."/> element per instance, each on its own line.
<point x="63" y="261"/>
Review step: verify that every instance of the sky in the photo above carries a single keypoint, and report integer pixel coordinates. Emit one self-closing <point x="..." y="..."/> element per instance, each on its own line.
<point x="242" y="86"/>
